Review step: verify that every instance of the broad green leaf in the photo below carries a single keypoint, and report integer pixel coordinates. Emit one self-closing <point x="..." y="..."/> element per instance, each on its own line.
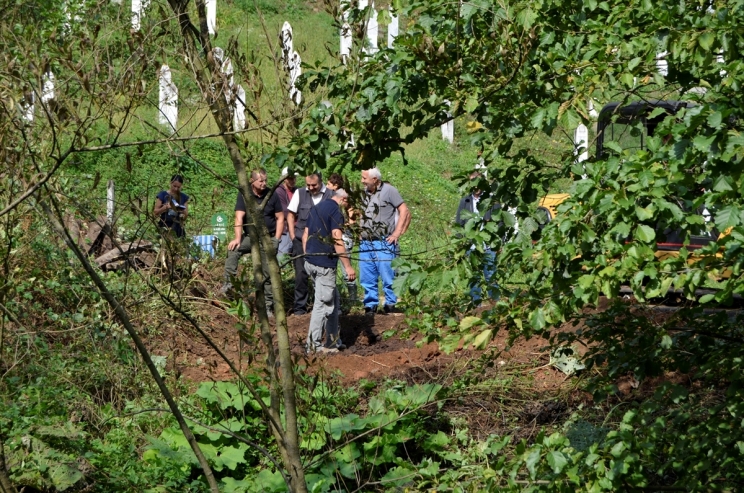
<point x="706" y="40"/>
<point x="482" y="340"/>
<point x="470" y="322"/>
<point x="645" y="233"/>
<point x="723" y="183"/>
<point x="557" y="461"/>
<point x="727" y="217"/>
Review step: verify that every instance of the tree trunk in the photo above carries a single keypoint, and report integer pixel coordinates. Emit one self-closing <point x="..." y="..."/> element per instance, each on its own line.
<point x="214" y="88"/>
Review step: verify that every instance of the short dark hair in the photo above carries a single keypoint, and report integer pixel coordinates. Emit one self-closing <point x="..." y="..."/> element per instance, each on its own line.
<point x="178" y="178"/>
<point x="336" y="179"/>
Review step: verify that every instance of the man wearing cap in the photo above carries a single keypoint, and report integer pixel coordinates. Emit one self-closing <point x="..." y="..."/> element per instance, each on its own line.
<point x="303" y="200"/>
<point x="241" y="245"/>
<point x="285" y="192"/>
<point x="324" y="246"/>
<point x="386" y="217"/>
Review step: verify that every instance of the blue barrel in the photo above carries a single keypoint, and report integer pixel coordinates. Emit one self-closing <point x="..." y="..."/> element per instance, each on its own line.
<point x="207" y="243"/>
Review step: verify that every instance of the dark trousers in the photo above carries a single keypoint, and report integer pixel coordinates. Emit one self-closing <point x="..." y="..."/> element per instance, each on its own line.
<point x="301" y="277"/>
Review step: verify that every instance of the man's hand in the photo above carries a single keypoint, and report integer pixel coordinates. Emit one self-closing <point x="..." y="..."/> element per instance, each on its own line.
<point x="350" y="273"/>
<point x="392" y="239"/>
<point x="234" y="244"/>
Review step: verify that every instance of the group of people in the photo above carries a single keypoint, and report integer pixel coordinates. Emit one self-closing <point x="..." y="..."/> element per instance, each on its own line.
<point x="310" y="223"/>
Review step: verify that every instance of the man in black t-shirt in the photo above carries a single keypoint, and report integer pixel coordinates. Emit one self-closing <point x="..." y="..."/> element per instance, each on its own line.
<point x="241" y="245"/>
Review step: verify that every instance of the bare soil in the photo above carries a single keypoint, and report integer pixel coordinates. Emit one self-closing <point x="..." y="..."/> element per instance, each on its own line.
<point x="369" y="355"/>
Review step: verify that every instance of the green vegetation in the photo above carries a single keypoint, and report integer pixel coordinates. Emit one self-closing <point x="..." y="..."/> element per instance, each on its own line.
<point x="80" y="410"/>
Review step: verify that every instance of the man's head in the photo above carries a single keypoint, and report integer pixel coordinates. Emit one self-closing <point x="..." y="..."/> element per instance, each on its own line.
<point x="474" y="177"/>
<point x="258" y="181"/>
<point x="313" y="183"/>
<point x="341" y="197"/>
<point x="290" y="180"/>
<point x="371" y="179"/>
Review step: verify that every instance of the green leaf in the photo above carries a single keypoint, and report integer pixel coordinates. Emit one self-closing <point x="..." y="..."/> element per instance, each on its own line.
<point x="470" y="322"/>
<point x="538" y="117"/>
<point x="557" y="461"/>
<point x="482" y="340"/>
<point x="644" y="213"/>
<point x="727" y="217"/>
<point x="230" y="457"/>
<point x="723" y="183"/>
<point x="399" y="476"/>
<point x="706" y="40"/>
<point x="666" y="341"/>
<point x="628" y="79"/>
<point x="531" y="462"/>
<point x="645" y="233"/>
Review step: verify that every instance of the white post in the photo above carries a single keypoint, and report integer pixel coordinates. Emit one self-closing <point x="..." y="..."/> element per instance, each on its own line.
<point x="448" y="128"/>
<point x="286" y="40"/>
<point x="47" y="87"/>
<point x="581" y="144"/>
<point x="661" y="63"/>
<point x="592" y="112"/>
<point x="29" y="106"/>
<point x="346" y="42"/>
<point x="345" y="33"/>
<point x="168" y="99"/>
<point x="110" y="202"/>
<point x="138" y="12"/>
<point x="295" y="70"/>
<point x="392" y="28"/>
<point x="239" y="116"/>
<point x="373" y="30"/>
<point x="211" y="6"/>
<point x="720" y="59"/>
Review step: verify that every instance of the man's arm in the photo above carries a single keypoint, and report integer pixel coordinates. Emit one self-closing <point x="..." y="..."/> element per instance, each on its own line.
<point x="338" y="245"/>
<point x="239" y="217"/>
<point x="291" y="219"/>
<point x="279" y="225"/>
<point x="304" y="240"/>
<point x="404" y="220"/>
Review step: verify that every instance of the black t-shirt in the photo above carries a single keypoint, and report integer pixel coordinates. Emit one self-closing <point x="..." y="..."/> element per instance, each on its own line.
<point x="272" y="207"/>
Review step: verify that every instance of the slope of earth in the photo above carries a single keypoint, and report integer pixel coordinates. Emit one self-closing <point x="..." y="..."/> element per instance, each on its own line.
<point x="369" y="355"/>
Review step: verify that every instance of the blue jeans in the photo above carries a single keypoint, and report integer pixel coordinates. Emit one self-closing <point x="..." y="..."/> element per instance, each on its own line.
<point x="375" y="262"/>
<point x="489" y="269"/>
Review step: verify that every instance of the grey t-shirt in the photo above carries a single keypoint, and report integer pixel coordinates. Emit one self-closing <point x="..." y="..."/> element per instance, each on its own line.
<point x="380" y="212"/>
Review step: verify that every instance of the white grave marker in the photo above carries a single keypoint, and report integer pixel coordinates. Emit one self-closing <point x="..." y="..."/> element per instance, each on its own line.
<point x="392" y="28"/>
<point x="581" y="139"/>
<point x="373" y="28"/>
<point x="110" y="202"/>
<point x="168" y="100"/>
<point x="138" y="12"/>
<point x="239" y="115"/>
<point x="286" y="40"/>
<point x="211" y="16"/>
<point x="448" y="128"/>
<point x="295" y="70"/>
<point x="661" y="63"/>
<point x="47" y="87"/>
<point x="592" y="112"/>
<point x="28" y="106"/>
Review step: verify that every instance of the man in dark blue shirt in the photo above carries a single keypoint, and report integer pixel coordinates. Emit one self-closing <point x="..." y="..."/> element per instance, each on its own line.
<point x="323" y="245"/>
